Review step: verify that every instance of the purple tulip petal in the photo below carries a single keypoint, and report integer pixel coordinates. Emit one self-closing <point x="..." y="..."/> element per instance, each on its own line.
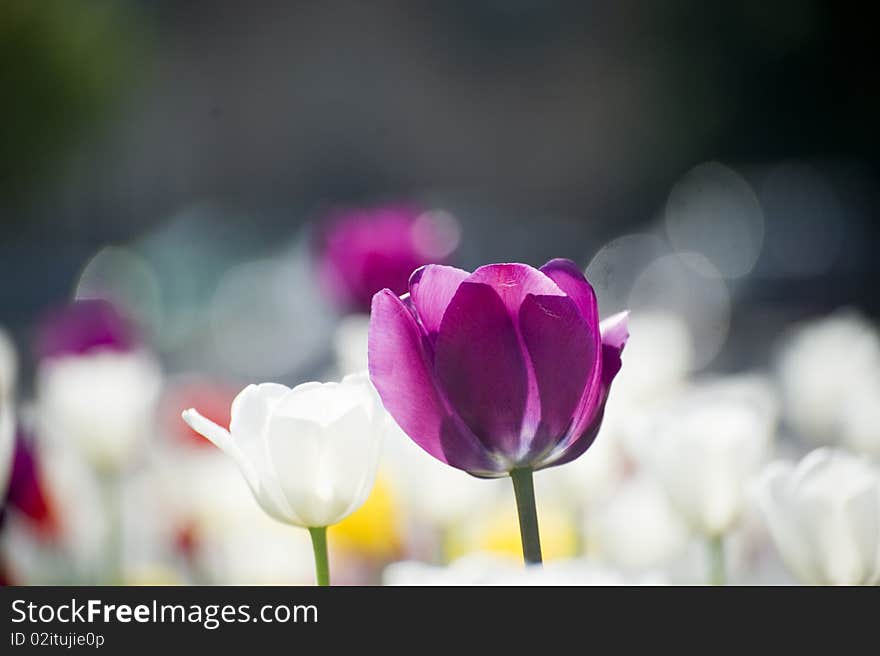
<point x="563" y="352"/>
<point x="399" y="370"/>
<point x="614" y="336"/>
<point x="431" y="288"/>
<point x="513" y="282"/>
<point x="481" y="366"/>
<point x="571" y="280"/>
<point x="576" y="449"/>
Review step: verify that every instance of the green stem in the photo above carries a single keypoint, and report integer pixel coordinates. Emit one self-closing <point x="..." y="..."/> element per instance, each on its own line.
<point x="319" y="545"/>
<point x="715" y="547"/>
<point x="112" y="570"/>
<point x="524" y="490"/>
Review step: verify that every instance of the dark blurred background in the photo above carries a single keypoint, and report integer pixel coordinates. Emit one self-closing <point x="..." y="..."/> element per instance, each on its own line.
<point x="213" y="131"/>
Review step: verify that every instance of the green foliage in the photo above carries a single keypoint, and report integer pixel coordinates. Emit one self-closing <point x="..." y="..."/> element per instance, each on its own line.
<point x="62" y="64"/>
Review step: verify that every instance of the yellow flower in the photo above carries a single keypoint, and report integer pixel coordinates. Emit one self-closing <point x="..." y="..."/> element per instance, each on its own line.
<point x="374" y="529"/>
<point x="152" y="574"/>
<point x="499" y="534"/>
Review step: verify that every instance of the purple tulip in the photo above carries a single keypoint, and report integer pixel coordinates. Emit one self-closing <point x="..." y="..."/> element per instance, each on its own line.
<point x="364" y="250"/>
<point x="501" y="370"/>
<point x="82" y="326"/>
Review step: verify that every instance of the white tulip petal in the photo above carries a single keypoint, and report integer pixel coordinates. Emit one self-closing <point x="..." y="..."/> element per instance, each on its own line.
<point x="826" y="528"/>
<point x="320" y="404"/>
<point x="862" y="513"/>
<point x="305" y="479"/>
<point x="705" y="447"/>
<point x="773" y="498"/>
<point x="216" y="434"/>
<point x="221" y="438"/>
<point x="359" y="378"/>
<point x="824" y="516"/>
<point x="354" y="454"/>
<point x="252" y="407"/>
<point x="271" y="495"/>
<point x="251" y="411"/>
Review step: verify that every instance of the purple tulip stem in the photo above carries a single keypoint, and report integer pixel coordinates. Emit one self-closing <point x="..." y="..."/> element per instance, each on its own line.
<point x="322" y="563"/>
<point x="524" y="490"/>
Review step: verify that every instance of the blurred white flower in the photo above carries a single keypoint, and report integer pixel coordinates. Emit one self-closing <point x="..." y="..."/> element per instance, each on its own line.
<point x="201" y="490"/>
<point x="8" y="376"/>
<point x="76" y="496"/>
<point x="821" y="365"/>
<point x="489" y="569"/>
<point x="651" y="377"/>
<point x="636" y="529"/>
<point x="707" y="445"/>
<point x="588" y="480"/>
<point x="8" y="365"/>
<point x="213" y="521"/>
<point x="860" y="423"/>
<point x="350" y="343"/>
<point x="101" y="402"/>
<point x="7" y="442"/>
<point x="651" y="370"/>
<point x="309" y="454"/>
<point x="824" y="516"/>
<point x="258" y="551"/>
<point x="145" y="534"/>
<point x="431" y="491"/>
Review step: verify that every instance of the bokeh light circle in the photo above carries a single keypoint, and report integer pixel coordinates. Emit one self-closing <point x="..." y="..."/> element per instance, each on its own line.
<point x="687" y="285"/>
<point x="712" y="210"/>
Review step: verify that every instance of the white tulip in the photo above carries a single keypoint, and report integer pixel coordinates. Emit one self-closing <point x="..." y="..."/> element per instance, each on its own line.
<point x="824" y="517"/>
<point x="706" y="447"/>
<point x="636" y="529"/>
<point x="820" y="366"/>
<point x="102" y="403"/>
<point x="7" y="442"/>
<point x="309" y="454"/>
<point x="8" y="365"/>
<point x="860" y="423"/>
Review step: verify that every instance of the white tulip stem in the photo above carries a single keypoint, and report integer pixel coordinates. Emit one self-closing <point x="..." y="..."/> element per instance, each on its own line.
<point x="112" y="566"/>
<point x="319" y="545"/>
<point x="715" y="553"/>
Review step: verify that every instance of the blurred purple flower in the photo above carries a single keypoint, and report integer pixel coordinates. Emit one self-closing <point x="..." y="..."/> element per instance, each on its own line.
<point x="501" y="369"/>
<point x="81" y="326"/>
<point x="362" y="251"/>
